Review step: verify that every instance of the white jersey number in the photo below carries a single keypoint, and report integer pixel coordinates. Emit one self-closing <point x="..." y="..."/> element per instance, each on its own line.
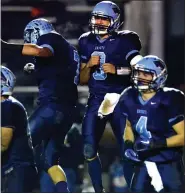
<point x="99" y="74"/>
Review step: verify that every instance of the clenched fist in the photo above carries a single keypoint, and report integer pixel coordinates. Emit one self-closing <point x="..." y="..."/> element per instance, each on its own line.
<point x="109" y="68"/>
<point x="94" y="60"/>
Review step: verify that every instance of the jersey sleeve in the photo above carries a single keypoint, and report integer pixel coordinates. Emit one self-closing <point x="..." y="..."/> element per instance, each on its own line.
<point x="176" y="107"/>
<point x="83" y="48"/>
<point x="131" y="45"/>
<point x="48" y="41"/>
<point x="7" y="115"/>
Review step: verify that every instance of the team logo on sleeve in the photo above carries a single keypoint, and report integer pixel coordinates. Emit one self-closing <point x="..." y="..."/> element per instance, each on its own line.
<point x="77" y="59"/>
<point x="76" y="56"/>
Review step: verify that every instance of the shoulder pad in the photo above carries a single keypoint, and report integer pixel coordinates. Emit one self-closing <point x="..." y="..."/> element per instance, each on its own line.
<point x="172" y="95"/>
<point x="16" y="103"/>
<point x="125" y="93"/>
<point x="125" y="32"/>
<point x="132" y="36"/>
<point x="48" y="35"/>
<point x="9" y="103"/>
<point x="6" y="101"/>
<point x="173" y="91"/>
<point x="85" y="35"/>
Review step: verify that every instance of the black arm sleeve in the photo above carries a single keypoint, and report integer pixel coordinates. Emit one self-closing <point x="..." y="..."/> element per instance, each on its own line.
<point x="11" y="47"/>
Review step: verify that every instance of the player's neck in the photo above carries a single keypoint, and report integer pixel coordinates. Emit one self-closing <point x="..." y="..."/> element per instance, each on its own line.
<point x="103" y="36"/>
<point x="147" y="96"/>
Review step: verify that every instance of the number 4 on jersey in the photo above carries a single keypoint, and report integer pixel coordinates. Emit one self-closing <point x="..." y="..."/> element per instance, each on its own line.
<point x="141" y="128"/>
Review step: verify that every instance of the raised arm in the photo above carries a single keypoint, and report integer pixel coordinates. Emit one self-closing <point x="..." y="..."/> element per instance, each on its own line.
<point x="27" y="49"/>
<point x="86" y="69"/>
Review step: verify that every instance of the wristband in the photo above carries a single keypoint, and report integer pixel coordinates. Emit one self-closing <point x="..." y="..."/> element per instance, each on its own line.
<point x="158" y="144"/>
<point x="123" y="70"/>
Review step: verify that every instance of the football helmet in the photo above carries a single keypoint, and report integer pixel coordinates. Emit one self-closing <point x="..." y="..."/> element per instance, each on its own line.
<point x="7" y="81"/>
<point x="152" y="65"/>
<point x="35" y="29"/>
<point x="107" y="10"/>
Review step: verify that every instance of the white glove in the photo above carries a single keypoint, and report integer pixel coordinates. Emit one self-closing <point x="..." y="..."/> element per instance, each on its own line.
<point x="108" y="104"/>
<point x="29" y="68"/>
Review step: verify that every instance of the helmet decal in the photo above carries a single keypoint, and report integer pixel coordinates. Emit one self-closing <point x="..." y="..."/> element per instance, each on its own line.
<point x="37" y="28"/>
<point x="7" y="81"/>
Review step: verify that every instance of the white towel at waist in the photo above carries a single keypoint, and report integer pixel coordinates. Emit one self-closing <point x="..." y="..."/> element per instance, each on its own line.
<point x="155" y="175"/>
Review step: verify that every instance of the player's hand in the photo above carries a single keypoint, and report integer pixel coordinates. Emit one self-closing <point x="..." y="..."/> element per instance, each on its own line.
<point x="151" y="144"/>
<point x="109" y="68"/>
<point x="94" y="60"/>
<point x="29" y="68"/>
<point x="131" y="155"/>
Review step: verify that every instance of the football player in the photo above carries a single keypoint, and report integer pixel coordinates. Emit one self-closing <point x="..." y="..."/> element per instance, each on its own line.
<point x="17" y="165"/>
<point x="154" y="134"/>
<point x="106" y="56"/>
<point x="72" y="158"/>
<point x="56" y="70"/>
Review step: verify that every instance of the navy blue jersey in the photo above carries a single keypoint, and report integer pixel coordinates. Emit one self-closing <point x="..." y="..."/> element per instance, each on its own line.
<point x="154" y="118"/>
<point x="116" y="49"/>
<point x="57" y="76"/>
<point x="14" y="116"/>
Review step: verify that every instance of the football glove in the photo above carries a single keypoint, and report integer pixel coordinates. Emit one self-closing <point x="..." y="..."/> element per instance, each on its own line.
<point x="29" y="68"/>
<point x="150" y="144"/>
<point x="129" y="153"/>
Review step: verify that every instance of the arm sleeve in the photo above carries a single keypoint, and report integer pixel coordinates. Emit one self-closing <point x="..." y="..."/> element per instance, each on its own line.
<point x="176" y="108"/>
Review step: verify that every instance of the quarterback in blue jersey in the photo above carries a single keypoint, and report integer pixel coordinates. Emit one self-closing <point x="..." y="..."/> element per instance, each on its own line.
<point x="18" y="170"/>
<point x="154" y="134"/>
<point x="56" y="70"/>
<point x="106" y="55"/>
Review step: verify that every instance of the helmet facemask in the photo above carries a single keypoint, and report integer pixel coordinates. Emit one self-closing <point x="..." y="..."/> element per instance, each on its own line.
<point x="142" y="84"/>
<point x="101" y="29"/>
<point x="109" y="11"/>
<point x="98" y="28"/>
<point x="145" y="85"/>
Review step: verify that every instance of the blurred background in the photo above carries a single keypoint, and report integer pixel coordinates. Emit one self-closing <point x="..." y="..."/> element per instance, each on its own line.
<point x="160" y="25"/>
